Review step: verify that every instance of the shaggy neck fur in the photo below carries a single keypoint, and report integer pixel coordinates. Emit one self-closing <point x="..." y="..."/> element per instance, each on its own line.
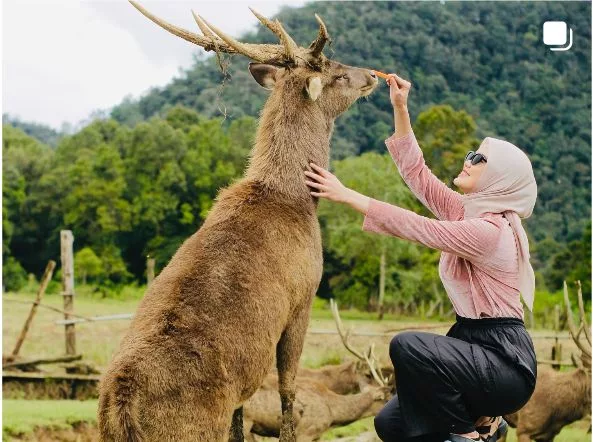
<point x="292" y="132"/>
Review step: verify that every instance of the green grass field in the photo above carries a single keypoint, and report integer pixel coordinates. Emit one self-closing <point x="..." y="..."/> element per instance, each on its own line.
<point x="22" y="417"/>
<point x="97" y="341"/>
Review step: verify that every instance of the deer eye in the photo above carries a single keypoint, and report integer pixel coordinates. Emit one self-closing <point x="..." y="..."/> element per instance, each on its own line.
<point x="342" y="77"/>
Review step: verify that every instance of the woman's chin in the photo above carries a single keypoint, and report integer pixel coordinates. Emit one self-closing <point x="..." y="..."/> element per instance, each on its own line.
<point x="459" y="182"/>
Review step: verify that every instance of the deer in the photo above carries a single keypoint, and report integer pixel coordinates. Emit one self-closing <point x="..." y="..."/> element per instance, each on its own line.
<point x="236" y="296"/>
<point x="348" y="377"/>
<point x="316" y="408"/>
<point x="559" y="398"/>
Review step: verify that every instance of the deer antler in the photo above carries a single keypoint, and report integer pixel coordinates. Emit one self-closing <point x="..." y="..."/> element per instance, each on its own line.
<point x="574" y="331"/>
<point x="285" y="54"/>
<point x="369" y="358"/>
<point x="290" y="46"/>
<point x="322" y="37"/>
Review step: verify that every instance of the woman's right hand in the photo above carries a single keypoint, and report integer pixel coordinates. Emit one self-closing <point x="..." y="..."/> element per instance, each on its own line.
<point x="398" y="90"/>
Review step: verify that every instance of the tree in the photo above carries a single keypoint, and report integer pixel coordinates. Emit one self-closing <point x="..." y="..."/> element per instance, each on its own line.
<point x="445" y="136"/>
<point x="374" y="267"/>
<point x="87" y="264"/>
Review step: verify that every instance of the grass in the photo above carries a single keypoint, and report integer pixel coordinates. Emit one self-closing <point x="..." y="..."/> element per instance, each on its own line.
<point x="576" y="432"/>
<point x="98" y="341"/>
<point x="23" y="416"/>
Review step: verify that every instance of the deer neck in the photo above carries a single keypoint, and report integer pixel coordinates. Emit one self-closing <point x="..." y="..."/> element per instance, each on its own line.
<point x="349" y="407"/>
<point x="291" y="134"/>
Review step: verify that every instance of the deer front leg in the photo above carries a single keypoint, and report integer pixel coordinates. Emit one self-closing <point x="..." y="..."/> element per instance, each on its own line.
<point x="237" y="426"/>
<point x="288" y="353"/>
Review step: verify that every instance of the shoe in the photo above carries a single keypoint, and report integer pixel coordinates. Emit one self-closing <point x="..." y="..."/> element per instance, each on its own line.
<point x="457" y="438"/>
<point x="502" y="430"/>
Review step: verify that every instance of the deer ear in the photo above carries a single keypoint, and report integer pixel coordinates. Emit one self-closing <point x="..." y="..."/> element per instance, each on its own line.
<point x="264" y="74"/>
<point x="314" y="87"/>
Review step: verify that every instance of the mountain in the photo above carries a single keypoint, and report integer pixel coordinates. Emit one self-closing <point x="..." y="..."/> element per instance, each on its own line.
<point x="487" y="58"/>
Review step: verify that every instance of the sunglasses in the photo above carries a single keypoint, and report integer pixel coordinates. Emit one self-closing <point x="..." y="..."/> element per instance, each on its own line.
<point x="475" y="158"/>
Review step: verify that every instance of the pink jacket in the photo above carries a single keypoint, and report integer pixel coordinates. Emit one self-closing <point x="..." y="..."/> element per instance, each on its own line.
<point x="479" y="265"/>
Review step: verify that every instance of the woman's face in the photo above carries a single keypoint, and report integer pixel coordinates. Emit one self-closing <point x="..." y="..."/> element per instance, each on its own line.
<point x="467" y="178"/>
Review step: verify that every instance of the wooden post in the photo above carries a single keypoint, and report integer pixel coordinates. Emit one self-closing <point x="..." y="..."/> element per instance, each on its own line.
<point x="557" y="355"/>
<point x="49" y="271"/>
<point x="67" y="258"/>
<point x="149" y="269"/>
<point x="531" y="320"/>
<point x="382" y="282"/>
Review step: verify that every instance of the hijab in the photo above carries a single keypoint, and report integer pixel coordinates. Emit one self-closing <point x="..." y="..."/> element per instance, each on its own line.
<point x="507" y="185"/>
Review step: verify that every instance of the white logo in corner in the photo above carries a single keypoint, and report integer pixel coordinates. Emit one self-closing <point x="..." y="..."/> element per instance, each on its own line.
<point x="555" y="34"/>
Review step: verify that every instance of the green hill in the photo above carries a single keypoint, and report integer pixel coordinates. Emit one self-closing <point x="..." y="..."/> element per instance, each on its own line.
<point x="485" y="57"/>
<point x="141" y="182"/>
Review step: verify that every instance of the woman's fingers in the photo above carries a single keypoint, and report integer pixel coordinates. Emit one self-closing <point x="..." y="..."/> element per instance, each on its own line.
<point x="320" y="170"/>
<point x="314" y="176"/>
<point x="316" y="185"/>
<point x="393" y="82"/>
<point x="399" y="81"/>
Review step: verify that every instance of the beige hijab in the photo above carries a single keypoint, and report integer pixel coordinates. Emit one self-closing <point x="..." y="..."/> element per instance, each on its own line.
<point x="507" y="185"/>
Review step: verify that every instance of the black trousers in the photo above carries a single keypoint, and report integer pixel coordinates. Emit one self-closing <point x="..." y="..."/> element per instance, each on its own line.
<point x="482" y="367"/>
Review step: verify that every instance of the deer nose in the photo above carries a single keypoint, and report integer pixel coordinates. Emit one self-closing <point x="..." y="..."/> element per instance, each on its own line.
<point x="373" y="75"/>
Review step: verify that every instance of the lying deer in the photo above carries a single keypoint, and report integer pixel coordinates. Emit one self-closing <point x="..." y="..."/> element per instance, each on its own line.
<point x="318" y="404"/>
<point x="560" y="398"/>
<point x="237" y="293"/>
<point x="316" y="408"/>
<point x="344" y="378"/>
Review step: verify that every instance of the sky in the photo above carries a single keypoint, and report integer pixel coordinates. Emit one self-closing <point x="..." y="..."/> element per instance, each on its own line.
<point x="62" y="60"/>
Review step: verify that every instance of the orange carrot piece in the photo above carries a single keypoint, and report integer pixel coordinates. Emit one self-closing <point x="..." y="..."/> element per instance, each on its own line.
<point x="381" y="74"/>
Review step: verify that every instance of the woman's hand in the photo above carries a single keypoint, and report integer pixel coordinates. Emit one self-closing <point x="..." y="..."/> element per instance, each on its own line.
<point x="327" y="184"/>
<point x="330" y="187"/>
<point x="398" y="90"/>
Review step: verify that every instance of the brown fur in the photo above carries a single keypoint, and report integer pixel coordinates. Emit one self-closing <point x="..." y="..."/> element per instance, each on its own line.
<point x="559" y="399"/>
<point x="316" y="408"/>
<point x="345" y="378"/>
<point x="237" y="293"/>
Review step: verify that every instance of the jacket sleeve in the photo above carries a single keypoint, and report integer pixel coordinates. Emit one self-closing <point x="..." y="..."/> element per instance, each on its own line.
<point x="469" y="238"/>
<point x="443" y="202"/>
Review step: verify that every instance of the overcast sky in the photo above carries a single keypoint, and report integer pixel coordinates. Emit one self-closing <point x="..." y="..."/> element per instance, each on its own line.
<point x="63" y="59"/>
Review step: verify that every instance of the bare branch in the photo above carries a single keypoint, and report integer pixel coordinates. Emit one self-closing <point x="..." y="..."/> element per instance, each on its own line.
<point x="582" y="313"/>
<point x="572" y="327"/>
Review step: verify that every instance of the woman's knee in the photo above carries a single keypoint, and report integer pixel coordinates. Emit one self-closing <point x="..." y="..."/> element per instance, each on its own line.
<point x="400" y="345"/>
<point x="385" y="428"/>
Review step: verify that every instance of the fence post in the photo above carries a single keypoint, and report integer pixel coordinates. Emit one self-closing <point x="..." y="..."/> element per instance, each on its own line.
<point x="49" y="270"/>
<point x="67" y="258"/>
<point x="149" y="269"/>
<point x="382" y="282"/>
<point x="557" y="317"/>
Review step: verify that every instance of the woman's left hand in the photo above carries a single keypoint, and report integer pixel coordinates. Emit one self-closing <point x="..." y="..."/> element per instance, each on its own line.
<point x="327" y="184"/>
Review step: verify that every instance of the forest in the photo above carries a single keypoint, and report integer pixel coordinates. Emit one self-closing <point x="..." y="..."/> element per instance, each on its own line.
<point x="138" y="179"/>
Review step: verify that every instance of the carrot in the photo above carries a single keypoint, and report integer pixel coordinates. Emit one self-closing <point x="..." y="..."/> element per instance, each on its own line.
<point x="381" y="74"/>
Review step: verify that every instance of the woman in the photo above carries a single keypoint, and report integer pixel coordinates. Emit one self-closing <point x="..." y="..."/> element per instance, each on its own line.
<point x="457" y="387"/>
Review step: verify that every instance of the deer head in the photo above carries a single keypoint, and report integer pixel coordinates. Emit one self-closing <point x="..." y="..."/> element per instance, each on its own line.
<point x="303" y="76"/>
<point x="575" y="332"/>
